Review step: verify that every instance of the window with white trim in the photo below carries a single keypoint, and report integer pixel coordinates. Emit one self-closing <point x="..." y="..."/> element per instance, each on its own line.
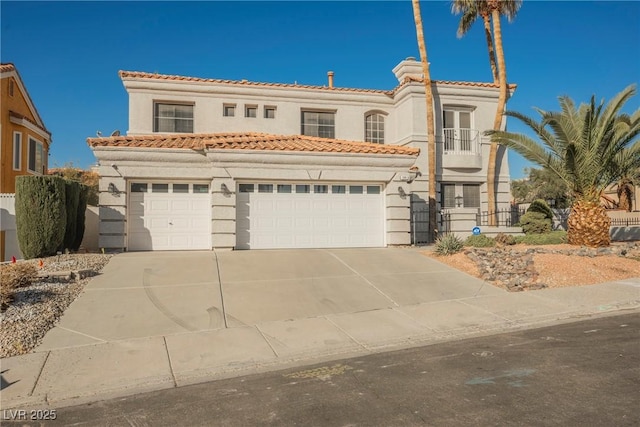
<point x="176" y="118"/>
<point x="457" y="126"/>
<point x="17" y="151"/>
<point x="374" y="128"/>
<point x="319" y="123"/>
<point x="36" y="156"/>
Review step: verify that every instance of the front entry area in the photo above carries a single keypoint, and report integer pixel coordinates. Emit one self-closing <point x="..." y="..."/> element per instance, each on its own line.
<point x="309" y="215"/>
<point x="169" y="216"/>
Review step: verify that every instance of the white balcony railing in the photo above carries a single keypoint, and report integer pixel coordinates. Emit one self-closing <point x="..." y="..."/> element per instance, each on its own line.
<point x="461" y="141"/>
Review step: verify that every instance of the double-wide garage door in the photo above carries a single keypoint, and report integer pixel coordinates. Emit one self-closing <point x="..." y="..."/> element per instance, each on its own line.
<point x="169" y="216"/>
<point x="304" y="215"/>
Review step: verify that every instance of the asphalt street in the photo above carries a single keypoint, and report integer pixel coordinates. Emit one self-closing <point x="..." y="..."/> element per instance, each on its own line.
<point x="585" y="373"/>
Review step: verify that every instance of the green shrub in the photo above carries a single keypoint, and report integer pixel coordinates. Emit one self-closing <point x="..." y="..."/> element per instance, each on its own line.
<point x="480" y="241"/>
<point x="448" y="244"/>
<point x="542" y="207"/>
<point x="535" y="223"/>
<point x="72" y="196"/>
<point x="41" y="216"/>
<point x="552" y="238"/>
<point x="81" y="217"/>
<point x="505" y="239"/>
<point x="14" y="276"/>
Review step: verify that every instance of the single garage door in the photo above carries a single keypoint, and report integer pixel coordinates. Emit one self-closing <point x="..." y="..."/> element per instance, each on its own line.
<point x="169" y="216"/>
<point x="303" y="215"/>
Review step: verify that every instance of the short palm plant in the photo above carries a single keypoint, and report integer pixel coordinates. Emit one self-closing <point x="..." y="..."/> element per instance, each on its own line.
<point x="582" y="146"/>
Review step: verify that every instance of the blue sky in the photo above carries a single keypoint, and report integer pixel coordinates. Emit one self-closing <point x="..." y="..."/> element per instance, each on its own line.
<point x="69" y="53"/>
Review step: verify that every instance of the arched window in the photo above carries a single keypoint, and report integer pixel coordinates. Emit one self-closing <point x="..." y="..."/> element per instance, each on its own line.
<point x="374" y="128"/>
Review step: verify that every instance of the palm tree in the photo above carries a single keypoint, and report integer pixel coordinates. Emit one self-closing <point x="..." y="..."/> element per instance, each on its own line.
<point x="508" y="8"/>
<point x="472" y="10"/>
<point x="583" y="147"/>
<point x="628" y="165"/>
<point x="431" y="132"/>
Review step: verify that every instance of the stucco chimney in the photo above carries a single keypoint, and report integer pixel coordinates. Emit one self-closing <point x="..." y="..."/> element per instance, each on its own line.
<point x="330" y="76"/>
<point x="409" y="67"/>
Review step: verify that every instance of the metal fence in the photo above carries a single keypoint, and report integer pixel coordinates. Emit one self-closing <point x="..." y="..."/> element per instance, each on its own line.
<point x="503" y="217"/>
<point x="625" y="222"/>
<point x="420" y="224"/>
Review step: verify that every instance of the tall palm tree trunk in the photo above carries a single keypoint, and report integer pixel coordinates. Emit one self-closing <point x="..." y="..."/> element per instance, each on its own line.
<point x="497" y="122"/>
<point x="431" y="141"/>
<point x="492" y="54"/>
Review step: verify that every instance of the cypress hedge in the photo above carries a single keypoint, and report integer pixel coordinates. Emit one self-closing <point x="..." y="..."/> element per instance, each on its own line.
<point x="81" y="216"/>
<point x="72" y="192"/>
<point x="40" y="214"/>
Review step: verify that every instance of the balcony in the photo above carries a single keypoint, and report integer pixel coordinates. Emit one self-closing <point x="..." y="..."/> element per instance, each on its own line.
<point x="461" y="148"/>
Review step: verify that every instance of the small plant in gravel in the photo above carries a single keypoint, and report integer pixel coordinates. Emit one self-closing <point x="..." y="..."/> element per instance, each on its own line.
<point x="552" y="238"/>
<point x="13" y="276"/>
<point x="505" y="239"/>
<point x="480" y="241"/>
<point x="448" y="244"/>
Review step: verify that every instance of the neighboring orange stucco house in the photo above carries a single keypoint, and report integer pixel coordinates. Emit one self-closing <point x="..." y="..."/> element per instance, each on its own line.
<point x="25" y="139"/>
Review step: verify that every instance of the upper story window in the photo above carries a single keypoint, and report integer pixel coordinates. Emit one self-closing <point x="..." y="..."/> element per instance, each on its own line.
<point x="374" y="128"/>
<point x="457" y="127"/>
<point x="269" y="112"/>
<point x="17" y="151"/>
<point x="11" y="87"/>
<point x="173" y="118"/>
<point x="319" y="123"/>
<point x="251" y="111"/>
<point x="229" y="110"/>
<point x="36" y="156"/>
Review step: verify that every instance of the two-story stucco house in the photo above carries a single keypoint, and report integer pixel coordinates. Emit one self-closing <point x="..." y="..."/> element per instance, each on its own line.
<point x="211" y="163"/>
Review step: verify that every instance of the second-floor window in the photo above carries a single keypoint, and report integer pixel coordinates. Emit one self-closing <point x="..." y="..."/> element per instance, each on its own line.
<point x="319" y="123"/>
<point x="17" y="151"/>
<point x="374" y="128"/>
<point x="173" y="118"/>
<point x="36" y="156"/>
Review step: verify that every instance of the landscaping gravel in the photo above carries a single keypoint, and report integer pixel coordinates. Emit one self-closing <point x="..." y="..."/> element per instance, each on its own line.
<point x="36" y="308"/>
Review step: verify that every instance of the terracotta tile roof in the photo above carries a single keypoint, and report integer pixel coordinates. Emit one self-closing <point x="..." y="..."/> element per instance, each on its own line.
<point x="144" y="75"/>
<point x="168" y="77"/>
<point x="250" y="141"/>
<point x="7" y="67"/>
<point x="33" y="122"/>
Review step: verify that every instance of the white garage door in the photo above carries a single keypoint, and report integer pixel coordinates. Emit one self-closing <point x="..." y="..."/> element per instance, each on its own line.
<point x="302" y="215"/>
<point x="169" y="216"/>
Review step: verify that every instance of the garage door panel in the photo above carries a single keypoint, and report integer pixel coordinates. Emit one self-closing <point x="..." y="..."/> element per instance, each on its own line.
<point x="169" y="221"/>
<point x="309" y="220"/>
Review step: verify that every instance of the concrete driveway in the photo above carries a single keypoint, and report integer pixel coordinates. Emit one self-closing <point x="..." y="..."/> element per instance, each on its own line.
<point x="163" y="293"/>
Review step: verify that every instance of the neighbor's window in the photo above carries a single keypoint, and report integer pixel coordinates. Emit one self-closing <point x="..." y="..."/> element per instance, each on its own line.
<point x="229" y="110"/>
<point x="269" y="112"/>
<point x="36" y="156"/>
<point x="471" y="195"/>
<point x="319" y="123"/>
<point x="10" y="87"/>
<point x="251" y="111"/>
<point x="173" y="118"/>
<point x="17" y="151"/>
<point x="374" y="128"/>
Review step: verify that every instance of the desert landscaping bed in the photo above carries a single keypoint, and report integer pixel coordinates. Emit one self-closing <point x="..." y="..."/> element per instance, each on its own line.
<point x="36" y="308"/>
<point x="528" y="267"/>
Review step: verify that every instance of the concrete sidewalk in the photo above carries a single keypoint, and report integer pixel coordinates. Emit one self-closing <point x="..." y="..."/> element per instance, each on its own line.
<point x="338" y="303"/>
